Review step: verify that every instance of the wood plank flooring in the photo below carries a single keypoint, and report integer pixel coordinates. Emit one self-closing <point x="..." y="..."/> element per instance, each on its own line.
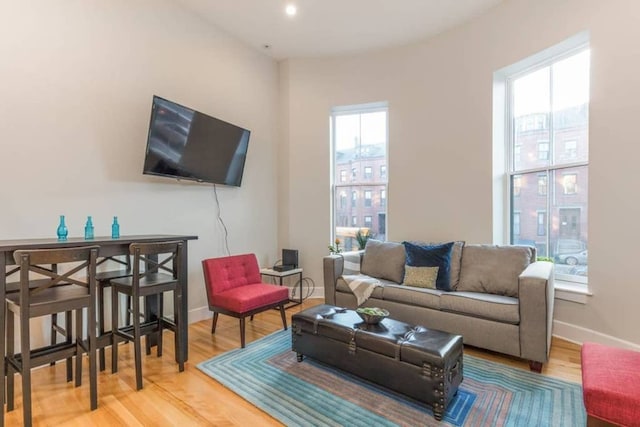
<point x="191" y="398"/>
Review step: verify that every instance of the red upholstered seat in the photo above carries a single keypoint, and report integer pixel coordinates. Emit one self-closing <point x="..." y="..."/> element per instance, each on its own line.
<point x="234" y="287"/>
<point x="611" y="384"/>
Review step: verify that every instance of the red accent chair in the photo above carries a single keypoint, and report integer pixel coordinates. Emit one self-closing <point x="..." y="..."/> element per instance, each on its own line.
<point x="234" y="287"/>
<point x="610" y="385"/>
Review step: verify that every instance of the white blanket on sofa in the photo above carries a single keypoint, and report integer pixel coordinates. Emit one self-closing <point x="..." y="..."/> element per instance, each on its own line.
<point x="362" y="286"/>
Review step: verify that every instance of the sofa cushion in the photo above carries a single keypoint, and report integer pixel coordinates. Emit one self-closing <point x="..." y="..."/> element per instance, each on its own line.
<point x="493" y="269"/>
<point x="383" y="260"/>
<point x="486" y="306"/>
<point x="421" y="297"/>
<point x="432" y="256"/>
<point x="456" y="258"/>
<point x="421" y="277"/>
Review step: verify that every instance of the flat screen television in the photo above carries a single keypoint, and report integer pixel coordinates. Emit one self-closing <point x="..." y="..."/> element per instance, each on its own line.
<point x="185" y="144"/>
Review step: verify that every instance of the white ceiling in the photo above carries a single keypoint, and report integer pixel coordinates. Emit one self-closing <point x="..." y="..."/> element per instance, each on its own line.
<point x="334" y="27"/>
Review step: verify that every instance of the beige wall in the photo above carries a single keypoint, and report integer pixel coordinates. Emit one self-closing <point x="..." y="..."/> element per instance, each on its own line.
<point x="76" y="83"/>
<point x="440" y="149"/>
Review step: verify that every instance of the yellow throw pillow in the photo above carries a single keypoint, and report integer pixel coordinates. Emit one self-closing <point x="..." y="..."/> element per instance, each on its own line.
<point x="420" y="277"/>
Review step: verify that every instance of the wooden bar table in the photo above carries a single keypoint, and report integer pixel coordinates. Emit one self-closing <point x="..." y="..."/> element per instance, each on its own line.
<point x="108" y="247"/>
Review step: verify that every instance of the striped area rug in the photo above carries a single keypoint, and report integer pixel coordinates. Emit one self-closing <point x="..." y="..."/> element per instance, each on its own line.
<point x="267" y="374"/>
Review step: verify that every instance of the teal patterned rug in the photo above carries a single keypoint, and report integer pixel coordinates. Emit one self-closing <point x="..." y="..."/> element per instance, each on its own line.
<point x="267" y="374"/>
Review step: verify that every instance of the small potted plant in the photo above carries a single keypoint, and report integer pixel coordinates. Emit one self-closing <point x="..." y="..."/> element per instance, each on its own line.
<point x="335" y="248"/>
<point x="362" y="235"/>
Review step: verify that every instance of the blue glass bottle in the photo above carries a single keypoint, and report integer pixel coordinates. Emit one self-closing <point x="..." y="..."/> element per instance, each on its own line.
<point x="88" y="229"/>
<point x="62" y="229"/>
<point x="115" y="228"/>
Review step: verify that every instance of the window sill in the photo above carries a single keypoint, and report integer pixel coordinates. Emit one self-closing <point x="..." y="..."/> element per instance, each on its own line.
<point x="568" y="291"/>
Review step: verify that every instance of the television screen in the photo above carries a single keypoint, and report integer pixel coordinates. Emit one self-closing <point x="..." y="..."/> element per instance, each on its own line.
<point x="186" y="144"/>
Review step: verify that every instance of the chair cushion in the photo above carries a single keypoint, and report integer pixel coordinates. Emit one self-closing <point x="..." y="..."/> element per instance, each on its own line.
<point x="611" y="383"/>
<point x="250" y="297"/>
<point x="230" y="272"/>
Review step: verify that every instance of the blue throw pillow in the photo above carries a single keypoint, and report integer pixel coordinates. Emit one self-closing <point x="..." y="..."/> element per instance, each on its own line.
<point x="432" y="256"/>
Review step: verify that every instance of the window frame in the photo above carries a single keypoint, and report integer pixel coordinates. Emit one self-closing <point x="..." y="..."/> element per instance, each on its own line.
<point x="354" y="181"/>
<point x="504" y="151"/>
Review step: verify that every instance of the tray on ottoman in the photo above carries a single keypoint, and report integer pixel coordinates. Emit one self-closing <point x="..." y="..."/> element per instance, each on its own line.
<point x="422" y="363"/>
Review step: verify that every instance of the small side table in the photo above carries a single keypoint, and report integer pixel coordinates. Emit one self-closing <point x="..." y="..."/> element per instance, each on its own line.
<point x="282" y="274"/>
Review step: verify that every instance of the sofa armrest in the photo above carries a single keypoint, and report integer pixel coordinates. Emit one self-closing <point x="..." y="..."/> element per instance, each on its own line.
<point x="332" y="266"/>
<point x="536" y="296"/>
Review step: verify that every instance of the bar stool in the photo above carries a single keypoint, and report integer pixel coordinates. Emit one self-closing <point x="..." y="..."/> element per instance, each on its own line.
<point x="56" y="328"/>
<point x="103" y="280"/>
<point x="45" y="297"/>
<point x="144" y="284"/>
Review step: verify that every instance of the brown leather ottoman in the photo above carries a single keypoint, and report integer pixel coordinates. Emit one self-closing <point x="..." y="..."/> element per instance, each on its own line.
<point x="422" y="363"/>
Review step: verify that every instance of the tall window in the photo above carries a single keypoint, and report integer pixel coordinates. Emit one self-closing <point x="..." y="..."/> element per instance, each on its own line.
<point x="359" y="143"/>
<point x="548" y="139"/>
<point x="368" y="172"/>
<point x="367" y="199"/>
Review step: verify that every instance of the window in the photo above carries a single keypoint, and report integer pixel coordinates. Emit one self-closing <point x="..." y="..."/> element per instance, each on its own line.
<point x="571" y="149"/>
<point x="368" y="172"/>
<point x="570" y="183"/>
<point x="545" y="147"/>
<point x="367" y="198"/>
<point x="359" y="141"/>
<point x="517" y="149"/>
<point x="517" y="184"/>
<point x="542" y="223"/>
<point x="516" y="223"/>
<point x="542" y="184"/>
<point x="543" y="150"/>
<point x="343" y="200"/>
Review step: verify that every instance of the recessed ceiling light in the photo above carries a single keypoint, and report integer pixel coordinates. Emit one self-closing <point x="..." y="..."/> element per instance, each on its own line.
<point x="291" y="9"/>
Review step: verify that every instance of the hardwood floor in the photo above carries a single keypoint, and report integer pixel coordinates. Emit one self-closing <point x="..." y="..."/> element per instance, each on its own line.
<point x="192" y="398"/>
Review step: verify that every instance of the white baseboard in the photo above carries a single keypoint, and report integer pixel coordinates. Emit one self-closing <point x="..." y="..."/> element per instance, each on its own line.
<point x="198" y="314"/>
<point x="579" y="335"/>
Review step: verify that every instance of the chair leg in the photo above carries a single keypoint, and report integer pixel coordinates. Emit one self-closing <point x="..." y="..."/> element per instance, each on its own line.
<point x="25" y="349"/>
<point x="242" y="332"/>
<point x="79" y="348"/>
<point x="160" y="312"/>
<point x="93" y="368"/>
<point x="10" y="334"/>
<point x="114" y="329"/>
<point x="177" y="313"/>
<point x="68" y="339"/>
<point x="284" y="317"/>
<point x="147" y="341"/>
<point x="136" y="342"/>
<point x="101" y="320"/>
<point x="215" y="321"/>
<point x="54" y="333"/>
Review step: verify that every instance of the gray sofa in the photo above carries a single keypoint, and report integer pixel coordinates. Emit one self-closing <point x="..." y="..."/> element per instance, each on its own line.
<point x="500" y="297"/>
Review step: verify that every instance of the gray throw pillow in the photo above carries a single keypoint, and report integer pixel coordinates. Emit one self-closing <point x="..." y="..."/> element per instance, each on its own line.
<point x="493" y="269"/>
<point x="384" y="260"/>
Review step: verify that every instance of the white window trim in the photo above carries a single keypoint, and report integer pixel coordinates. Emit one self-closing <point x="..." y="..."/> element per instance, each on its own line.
<point x="352" y="109"/>
<point x="502" y="151"/>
